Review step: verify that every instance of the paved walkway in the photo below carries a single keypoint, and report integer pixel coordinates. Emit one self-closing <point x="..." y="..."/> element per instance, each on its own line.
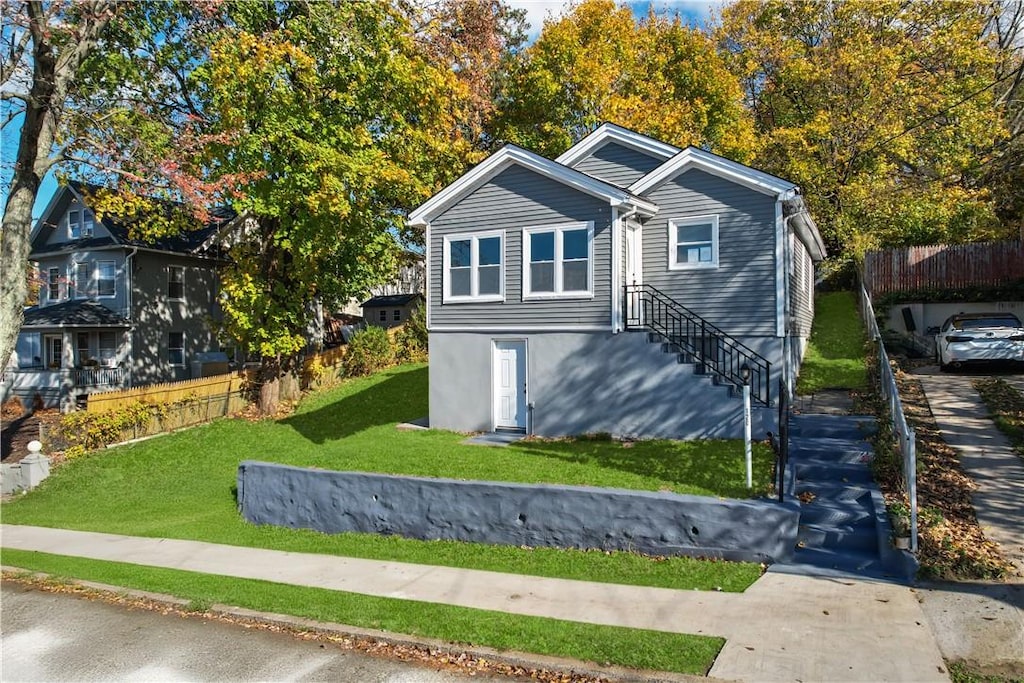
<point x="986" y="457"/>
<point x="783" y="628"/>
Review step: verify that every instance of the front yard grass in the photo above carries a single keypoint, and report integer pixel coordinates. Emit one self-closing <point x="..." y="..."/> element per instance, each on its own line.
<point x="635" y="648"/>
<point x="835" y="357"/>
<point x="1006" y="406"/>
<point x="182" y="485"/>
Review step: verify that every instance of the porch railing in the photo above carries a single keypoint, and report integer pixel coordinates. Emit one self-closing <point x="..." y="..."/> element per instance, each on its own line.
<point x="718" y="353"/>
<point x="99" y="377"/>
<point x="904" y="435"/>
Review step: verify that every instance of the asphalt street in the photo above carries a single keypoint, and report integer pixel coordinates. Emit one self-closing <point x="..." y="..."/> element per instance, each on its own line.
<point x="57" y="637"/>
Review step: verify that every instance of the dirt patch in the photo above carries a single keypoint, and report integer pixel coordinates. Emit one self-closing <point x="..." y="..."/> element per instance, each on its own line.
<point x="18" y="430"/>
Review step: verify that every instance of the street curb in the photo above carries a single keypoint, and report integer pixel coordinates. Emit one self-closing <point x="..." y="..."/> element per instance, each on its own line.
<point x="524" y="660"/>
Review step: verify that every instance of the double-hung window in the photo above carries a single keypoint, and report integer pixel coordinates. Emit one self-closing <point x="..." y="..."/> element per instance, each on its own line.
<point x="693" y="243"/>
<point x="82" y="274"/>
<point x="108" y="348"/>
<point x="474" y="267"/>
<point x="106" y="276"/>
<point x="53" y="284"/>
<point x="176" y="348"/>
<point x="80" y="223"/>
<point x="558" y="260"/>
<point x="175" y="282"/>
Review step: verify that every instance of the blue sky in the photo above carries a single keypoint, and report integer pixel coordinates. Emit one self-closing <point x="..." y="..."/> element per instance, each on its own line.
<point x="695" y="12"/>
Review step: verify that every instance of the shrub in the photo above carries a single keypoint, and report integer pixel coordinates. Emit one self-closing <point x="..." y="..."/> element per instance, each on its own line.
<point x="369" y="350"/>
<point x="412" y="338"/>
<point x="82" y="431"/>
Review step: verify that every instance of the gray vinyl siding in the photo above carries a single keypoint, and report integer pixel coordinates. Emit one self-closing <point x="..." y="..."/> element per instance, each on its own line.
<point x="154" y="315"/>
<point x="117" y="303"/>
<point x="801" y="287"/>
<point x="515" y="199"/>
<point x="739" y="295"/>
<point x="60" y="235"/>
<point x="618" y="164"/>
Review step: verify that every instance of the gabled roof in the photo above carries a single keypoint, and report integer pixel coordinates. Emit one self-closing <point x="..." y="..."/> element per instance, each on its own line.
<point x="75" y="313"/>
<point x="609" y="132"/>
<point x="190" y="242"/>
<point x="385" y="300"/>
<point x="510" y="155"/>
<point x="694" y="157"/>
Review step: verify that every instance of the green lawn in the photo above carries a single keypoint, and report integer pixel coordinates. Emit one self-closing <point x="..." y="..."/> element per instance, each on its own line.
<point x="600" y="644"/>
<point x="1006" y="406"/>
<point x="835" y="356"/>
<point x="182" y="485"/>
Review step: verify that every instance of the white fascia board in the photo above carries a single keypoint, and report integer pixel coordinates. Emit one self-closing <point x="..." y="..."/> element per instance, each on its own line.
<point x="691" y="157"/>
<point x="505" y="157"/>
<point x="609" y="132"/>
<point x="426" y="272"/>
<point x="519" y="329"/>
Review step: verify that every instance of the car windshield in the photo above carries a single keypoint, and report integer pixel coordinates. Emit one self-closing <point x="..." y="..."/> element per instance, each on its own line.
<point x="994" y="321"/>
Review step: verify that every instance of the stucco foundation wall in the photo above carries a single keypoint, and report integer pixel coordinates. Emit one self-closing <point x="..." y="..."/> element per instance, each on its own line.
<point x="516" y="514"/>
<point x="591" y="382"/>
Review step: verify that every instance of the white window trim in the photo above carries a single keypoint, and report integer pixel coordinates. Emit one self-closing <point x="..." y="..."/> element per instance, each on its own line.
<point x="96" y="278"/>
<point x="171" y="269"/>
<point x="673" y="244"/>
<point x="80" y="224"/>
<point x="50" y="282"/>
<point x="558" y="230"/>
<point x="182" y="347"/>
<point x="474" y="285"/>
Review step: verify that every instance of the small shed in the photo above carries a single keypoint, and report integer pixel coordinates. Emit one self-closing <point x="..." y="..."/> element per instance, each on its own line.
<point x="391" y="309"/>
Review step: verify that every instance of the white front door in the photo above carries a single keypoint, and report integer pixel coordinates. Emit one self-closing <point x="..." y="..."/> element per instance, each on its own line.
<point x="509" y="382"/>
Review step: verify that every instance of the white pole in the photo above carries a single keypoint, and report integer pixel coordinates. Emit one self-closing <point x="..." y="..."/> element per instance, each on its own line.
<point x="746" y="435"/>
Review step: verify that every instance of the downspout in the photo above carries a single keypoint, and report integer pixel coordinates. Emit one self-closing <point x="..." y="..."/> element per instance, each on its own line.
<point x="129" y="263"/>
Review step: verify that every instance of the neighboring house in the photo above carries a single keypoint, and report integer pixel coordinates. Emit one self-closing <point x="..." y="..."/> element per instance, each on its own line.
<point x="549" y="279"/>
<point x="391" y="309"/>
<point x="113" y="311"/>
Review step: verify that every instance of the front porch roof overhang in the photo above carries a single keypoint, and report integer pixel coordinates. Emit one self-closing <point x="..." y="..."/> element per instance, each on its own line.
<point x="82" y="313"/>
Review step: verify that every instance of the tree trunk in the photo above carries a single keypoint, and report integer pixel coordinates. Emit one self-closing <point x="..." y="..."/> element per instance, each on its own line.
<point x="52" y="76"/>
<point x="270" y="386"/>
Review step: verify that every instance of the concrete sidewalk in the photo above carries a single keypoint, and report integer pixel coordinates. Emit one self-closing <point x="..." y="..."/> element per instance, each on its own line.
<point x="986" y="457"/>
<point x="783" y="628"/>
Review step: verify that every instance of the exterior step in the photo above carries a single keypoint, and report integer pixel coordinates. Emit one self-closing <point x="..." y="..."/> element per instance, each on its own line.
<point x="832" y="513"/>
<point x="861" y="537"/>
<point x="848" y="494"/>
<point x="855" y="427"/>
<point x="828" y="472"/>
<point x="839" y="450"/>
<point x="853" y="561"/>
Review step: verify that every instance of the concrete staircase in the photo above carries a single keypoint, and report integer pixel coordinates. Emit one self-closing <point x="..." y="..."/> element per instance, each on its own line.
<point x="844" y="529"/>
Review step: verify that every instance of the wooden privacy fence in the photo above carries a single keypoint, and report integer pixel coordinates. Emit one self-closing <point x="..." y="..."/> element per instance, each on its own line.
<point x="189" y="390"/>
<point x="943" y="266"/>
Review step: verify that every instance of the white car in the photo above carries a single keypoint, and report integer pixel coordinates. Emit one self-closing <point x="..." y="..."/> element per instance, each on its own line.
<point x="979" y="338"/>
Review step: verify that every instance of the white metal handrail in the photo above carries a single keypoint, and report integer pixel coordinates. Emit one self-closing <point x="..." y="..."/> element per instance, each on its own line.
<point x="890" y="392"/>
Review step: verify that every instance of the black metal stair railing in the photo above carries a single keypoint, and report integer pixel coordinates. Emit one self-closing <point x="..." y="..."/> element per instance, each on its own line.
<point x="714" y="351"/>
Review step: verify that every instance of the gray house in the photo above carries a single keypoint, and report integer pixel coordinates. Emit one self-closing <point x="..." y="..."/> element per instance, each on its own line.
<point x="113" y="311"/>
<point x="626" y="287"/>
<point x="390" y="310"/>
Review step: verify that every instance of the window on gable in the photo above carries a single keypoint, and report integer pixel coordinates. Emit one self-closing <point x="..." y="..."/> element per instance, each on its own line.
<point x="176" y="348"/>
<point x="474" y="267"/>
<point x="53" y="284"/>
<point x="175" y="282"/>
<point x="82" y="275"/>
<point x="558" y="260"/>
<point x="106" y="276"/>
<point x="693" y="243"/>
<point x="80" y="223"/>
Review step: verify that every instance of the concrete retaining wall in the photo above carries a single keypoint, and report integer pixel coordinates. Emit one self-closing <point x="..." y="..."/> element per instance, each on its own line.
<point x="656" y="523"/>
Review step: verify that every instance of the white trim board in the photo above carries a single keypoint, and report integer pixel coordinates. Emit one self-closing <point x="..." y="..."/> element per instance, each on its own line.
<point x="692" y="157"/>
<point x="609" y="132"/>
<point x="509" y="155"/>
